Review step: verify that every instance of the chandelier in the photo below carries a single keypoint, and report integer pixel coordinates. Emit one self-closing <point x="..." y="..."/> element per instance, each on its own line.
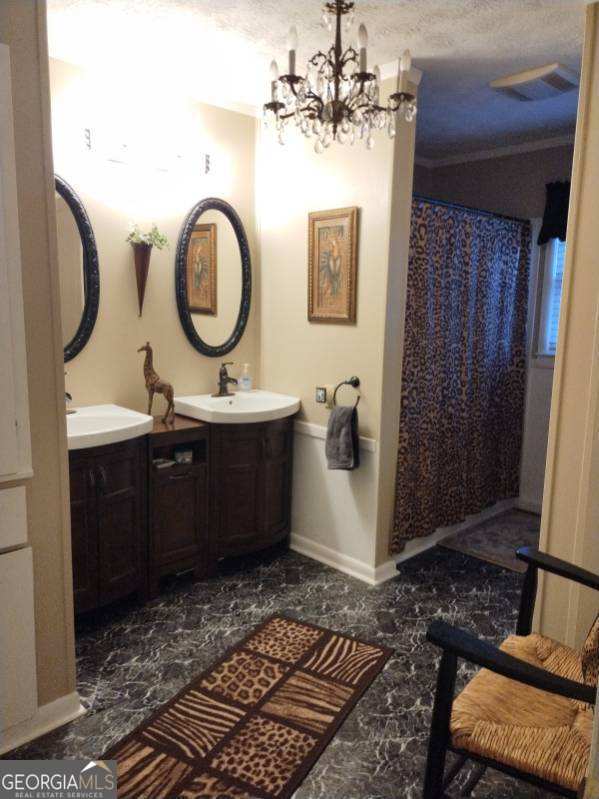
<point x="338" y="100"/>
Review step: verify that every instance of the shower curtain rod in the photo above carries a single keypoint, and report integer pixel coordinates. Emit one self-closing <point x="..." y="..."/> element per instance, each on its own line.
<point x="468" y="208"/>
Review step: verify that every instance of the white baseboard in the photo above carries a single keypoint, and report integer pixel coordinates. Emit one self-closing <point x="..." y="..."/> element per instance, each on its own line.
<point x="330" y="557"/>
<point x="48" y="717"/>
<point x="529" y="505"/>
<point x="387" y="570"/>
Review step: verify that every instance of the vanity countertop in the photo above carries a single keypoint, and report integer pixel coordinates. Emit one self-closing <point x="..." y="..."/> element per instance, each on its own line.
<point x="179" y="423"/>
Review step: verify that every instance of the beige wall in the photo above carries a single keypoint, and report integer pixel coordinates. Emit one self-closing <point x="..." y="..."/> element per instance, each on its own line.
<point x="571" y="501"/>
<point x="298" y="355"/>
<point x="115" y="195"/>
<point x="22" y="27"/>
<point x="423" y="180"/>
<point x="513" y="185"/>
<point x="335" y="510"/>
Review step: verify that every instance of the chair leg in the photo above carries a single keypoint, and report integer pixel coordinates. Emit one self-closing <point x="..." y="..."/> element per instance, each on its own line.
<point x="473" y="780"/>
<point x="453" y="772"/>
<point x="527" y="601"/>
<point x="439" y="735"/>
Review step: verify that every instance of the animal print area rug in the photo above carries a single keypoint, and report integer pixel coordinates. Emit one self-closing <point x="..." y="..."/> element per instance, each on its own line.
<point x="255" y="723"/>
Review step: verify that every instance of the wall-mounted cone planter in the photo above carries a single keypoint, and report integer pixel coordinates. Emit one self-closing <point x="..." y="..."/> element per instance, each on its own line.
<point x="141" y="253"/>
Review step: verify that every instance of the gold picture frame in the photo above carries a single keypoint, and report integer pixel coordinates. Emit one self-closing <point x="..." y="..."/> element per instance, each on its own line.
<point x="201" y="270"/>
<point x="333" y="265"/>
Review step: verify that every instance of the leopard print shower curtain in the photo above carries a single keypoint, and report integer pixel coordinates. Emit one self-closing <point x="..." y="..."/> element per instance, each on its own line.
<point x="463" y="377"/>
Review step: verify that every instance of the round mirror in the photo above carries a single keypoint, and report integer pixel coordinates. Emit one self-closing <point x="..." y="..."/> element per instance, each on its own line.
<point x="213" y="277"/>
<point x="78" y="269"/>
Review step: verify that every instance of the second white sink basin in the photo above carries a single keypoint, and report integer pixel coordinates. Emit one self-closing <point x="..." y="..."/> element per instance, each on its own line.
<point x="242" y="408"/>
<point x="97" y="425"/>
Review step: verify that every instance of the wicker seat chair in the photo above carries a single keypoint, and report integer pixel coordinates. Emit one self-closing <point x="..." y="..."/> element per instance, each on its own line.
<point x="528" y="712"/>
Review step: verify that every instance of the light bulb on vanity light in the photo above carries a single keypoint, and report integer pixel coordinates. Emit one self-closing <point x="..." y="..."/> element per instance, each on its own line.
<point x="292" y="47"/>
<point x="362" y="44"/>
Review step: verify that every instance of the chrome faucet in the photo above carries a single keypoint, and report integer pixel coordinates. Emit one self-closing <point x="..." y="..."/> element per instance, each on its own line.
<point x="224" y="380"/>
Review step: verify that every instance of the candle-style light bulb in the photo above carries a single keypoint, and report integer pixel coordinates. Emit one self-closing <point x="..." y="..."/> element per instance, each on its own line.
<point x="362" y="36"/>
<point x="292" y="47"/>
<point x="292" y="38"/>
<point x="274" y="77"/>
<point x="362" y="44"/>
<point x="403" y="76"/>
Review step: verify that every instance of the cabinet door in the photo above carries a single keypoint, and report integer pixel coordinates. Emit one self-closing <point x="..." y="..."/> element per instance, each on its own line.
<point x="179" y="513"/>
<point x="276" y="480"/>
<point x="237" y="455"/>
<point x="120" y="520"/>
<point x="84" y="532"/>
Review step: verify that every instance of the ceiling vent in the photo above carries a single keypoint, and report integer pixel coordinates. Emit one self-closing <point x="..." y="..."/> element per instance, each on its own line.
<point x="541" y="83"/>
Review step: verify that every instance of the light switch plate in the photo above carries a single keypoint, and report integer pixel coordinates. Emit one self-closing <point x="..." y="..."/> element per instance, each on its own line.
<point x="321" y="394"/>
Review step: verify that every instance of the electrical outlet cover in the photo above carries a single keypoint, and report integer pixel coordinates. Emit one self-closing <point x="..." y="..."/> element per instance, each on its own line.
<point x="321" y="394"/>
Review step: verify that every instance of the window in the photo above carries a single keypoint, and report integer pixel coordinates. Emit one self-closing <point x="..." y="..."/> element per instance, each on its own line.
<point x="550" y="295"/>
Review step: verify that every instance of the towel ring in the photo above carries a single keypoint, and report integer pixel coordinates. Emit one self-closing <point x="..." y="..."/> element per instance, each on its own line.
<point x="354" y="382"/>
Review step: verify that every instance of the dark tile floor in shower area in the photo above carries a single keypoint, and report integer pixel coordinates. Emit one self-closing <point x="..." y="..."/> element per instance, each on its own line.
<point x="132" y="659"/>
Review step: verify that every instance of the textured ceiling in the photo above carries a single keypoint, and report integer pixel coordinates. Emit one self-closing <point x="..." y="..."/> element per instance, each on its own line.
<point x="221" y="49"/>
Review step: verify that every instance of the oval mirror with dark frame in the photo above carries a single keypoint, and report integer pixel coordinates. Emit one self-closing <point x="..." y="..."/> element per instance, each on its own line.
<point x="79" y="270"/>
<point x="213" y="277"/>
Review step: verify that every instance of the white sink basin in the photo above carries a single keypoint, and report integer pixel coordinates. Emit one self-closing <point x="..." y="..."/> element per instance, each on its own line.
<point x="97" y="425"/>
<point x="243" y="407"/>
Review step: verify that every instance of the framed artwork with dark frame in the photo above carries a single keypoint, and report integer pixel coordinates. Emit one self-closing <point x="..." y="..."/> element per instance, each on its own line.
<point x="202" y="270"/>
<point x="333" y="265"/>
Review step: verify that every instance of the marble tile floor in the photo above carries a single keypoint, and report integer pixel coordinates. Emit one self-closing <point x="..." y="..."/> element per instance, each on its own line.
<point x="496" y="540"/>
<point x="131" y="659"/>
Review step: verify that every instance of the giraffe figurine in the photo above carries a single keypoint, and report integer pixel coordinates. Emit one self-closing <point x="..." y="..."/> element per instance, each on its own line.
<point x="155" y="385"/>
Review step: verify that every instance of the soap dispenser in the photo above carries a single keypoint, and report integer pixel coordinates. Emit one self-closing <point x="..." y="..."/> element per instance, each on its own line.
<point x="245" y="380"/>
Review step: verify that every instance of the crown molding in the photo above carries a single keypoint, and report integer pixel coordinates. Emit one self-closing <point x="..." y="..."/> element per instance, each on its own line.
<point x="497" y="152"/>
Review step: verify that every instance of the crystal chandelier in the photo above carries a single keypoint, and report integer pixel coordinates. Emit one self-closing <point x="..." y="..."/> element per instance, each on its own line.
<point x="338" y="100"/>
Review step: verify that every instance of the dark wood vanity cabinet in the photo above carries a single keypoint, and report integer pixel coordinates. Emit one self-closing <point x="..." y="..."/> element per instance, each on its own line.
<point x="178" y="501"/>
<point x="133" y="523"/>
<point x="108" y="523"/>
<point x="251" y="485"/>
